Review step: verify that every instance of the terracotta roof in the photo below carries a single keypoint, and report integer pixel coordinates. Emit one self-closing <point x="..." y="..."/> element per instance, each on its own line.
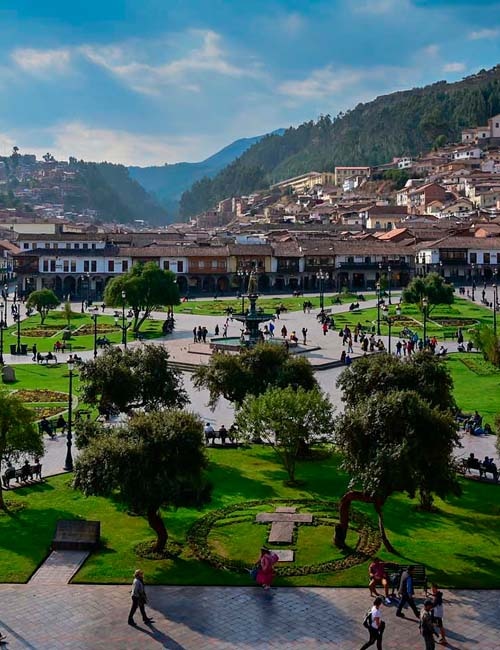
<point x="9" y="246"/>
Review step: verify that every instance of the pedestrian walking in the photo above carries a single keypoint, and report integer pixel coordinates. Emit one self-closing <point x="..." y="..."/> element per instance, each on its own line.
<point x="204" y="333"/>
<point x="265" y="573"/>
<point x="216" y="331"/>
<point x="399" y="346"/>
<point x="437" y="612"/>
<point x="3" y="638"/>
<point x="406" y="593"/>
<point x="304" y="335"/>
<point x="271" y="329"/>
<point x="376" y="625"/>
<point x="324" y="327"/>
<point x="34" y="351"/>
<point x="224" y="330"/>
<point x="349" y="346"/>
<point x="284" y="331"/>
<point x="427" y="626"/>
<point x="195" y="336"/>
<point x="139" y="598"/>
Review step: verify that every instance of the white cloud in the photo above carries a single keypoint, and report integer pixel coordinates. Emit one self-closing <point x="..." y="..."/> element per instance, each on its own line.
<point x="98" y="144"/>
<point x="377" y="6"/>
<point x="42" y="62"/>
<point x="484" y="33"/>
<point x="431" y="50"/>
<point x="331" y="81"/>
<point x="149" y="78"/>
<point x="454" y="67"/>
<point x="292" y="24"/>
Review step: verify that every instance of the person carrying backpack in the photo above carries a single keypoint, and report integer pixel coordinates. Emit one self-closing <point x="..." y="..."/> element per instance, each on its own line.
<point x="375" y="625"/>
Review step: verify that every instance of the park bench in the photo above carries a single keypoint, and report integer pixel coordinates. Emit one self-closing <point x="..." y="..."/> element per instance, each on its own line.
<point x="188" y="310"/>
<point x="45" y="358"/>
<point x="22" y="474"/>
<point x="395" y="571"/>
<point x="215" y="435"/>
<point x="469" y="464"/>
<point x="103" y="342"/>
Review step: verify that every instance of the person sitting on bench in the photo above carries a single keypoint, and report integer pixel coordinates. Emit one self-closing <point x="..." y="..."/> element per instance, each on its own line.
<point x="9" y="474"/>
<point x="209" y="433"/>
<point x="223" y="434"/>
<point x="46" y="427"/>
<point x="26" y="472"/>
<point x="378" y="575"/>
<point x="60" y="424"/>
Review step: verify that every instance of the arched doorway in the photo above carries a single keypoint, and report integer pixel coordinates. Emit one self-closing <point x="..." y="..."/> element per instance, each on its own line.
<point x="209" y="284"/>
<point x="263" y="283"/>
<point x="182" y="283"/>
<point x="69" y="287"/>
<point x="223" y="284"/>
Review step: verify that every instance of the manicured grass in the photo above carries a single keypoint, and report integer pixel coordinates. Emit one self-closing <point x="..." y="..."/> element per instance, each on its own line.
<point x="413" y="319"/>
<point x="218" y="307"/>
<point x="55" y="323"/>
<point x="457" y="544"/>
<point x="476" y="385"/>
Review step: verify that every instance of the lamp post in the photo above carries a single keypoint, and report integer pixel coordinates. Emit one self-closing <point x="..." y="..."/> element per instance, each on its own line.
<point x="390" y="321"/>
<point x="94" y="318"/>
<point x="321" y="277"/>
<point x="18" y="320"/>
<point x="473" y="276"/>
<point x="389" y="274"/>
<point x="495" y="305"/>
<point x="68" y="465"/>
<point x="242" y="275"/>
<point x="123" y="327"/>
<point x="3" y="324"/>
<point x="377" y="286"/>
<point x="425" y="304"/>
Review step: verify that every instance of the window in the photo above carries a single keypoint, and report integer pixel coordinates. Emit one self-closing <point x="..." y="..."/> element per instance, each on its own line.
<point x="86" y="266"/>
<point x="77" y="246"/>
<point x="73" y="266"/>
<point x="350" y="260"/>
<point x="47" y="245"/>
<point x="26" y="245"/>
<point x="93" y="247"/>
<point x="45" y="266"/>
<point x="201" y="264"/>
<point x="111" y="266"/>
<point x="68" y="245"/>
<point x="52" y="266"/>
<point x="66" y="266"/>
<point x="85" y="245"/>
<point x="124" y="266"/>
<point x="180" y="266"/>
<point x="473" y="258"/>
<point x="486" y="258"/>
<point x="93" y="266"/>
<point x="215" y="264"/>
<point x="166" y="265"/>
<point x="56" y="245"/>
<point x="368" y="259"/>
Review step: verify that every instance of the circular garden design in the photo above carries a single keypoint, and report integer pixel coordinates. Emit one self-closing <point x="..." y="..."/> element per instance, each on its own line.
<point x="230" y="539"/>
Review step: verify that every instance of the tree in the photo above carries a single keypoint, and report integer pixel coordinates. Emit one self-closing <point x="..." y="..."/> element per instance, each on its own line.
<point x="157" y="460"/>
<point x="68" y="314"/>
<point x="18" y="435"/>
<point x="285" y="417"/>
<point x="431" y="287"/>
<point x="384" y="373"/>
<point x="146" y="287"/>
<point x="488" y="342"/>
<point x="43" y="301"/>
<point x="252" y="372"/>
<point x="132" y="379"/>
<point x="398" y="415"/>
<point x="393" y="443"/>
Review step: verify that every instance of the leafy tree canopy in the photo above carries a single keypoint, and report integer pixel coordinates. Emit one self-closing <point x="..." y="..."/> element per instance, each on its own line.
<point x="146" y="287"/>
<point x="284" y="418"/>
<point x="252" y="372"/>
<point x="131" y="379"/>
<point x="433" y="287"/>
<point x="18" y="435"/>
<point x="485" y="339"/>
<point x="43" y="301"/>
<point x="383" y="373"/>
<point x="157" y="460"/>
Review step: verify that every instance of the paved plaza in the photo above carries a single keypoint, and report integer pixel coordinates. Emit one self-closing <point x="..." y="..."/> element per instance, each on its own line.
<point x="198" y="618"/>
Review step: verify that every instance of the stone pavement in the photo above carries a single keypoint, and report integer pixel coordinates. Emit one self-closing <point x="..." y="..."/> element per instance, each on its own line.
<point x="226" y="618"/>
<point x="59" y="568"/>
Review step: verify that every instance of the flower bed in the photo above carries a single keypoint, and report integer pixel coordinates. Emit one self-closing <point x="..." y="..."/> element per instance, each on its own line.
<point x="47" y="411"/>
<point x="455" y="322"/>
<point x="102" y="328"/>
<point x="39" y="332"/>
<point x="42" y="395"/>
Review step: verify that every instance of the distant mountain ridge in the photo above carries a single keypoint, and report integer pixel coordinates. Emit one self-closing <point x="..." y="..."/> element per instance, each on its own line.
<point x="168" y="182"/>
<point x="402" y="123"/>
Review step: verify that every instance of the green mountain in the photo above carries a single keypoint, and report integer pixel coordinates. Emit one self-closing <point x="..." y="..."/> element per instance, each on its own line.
<point x="110" y="190"/>
<point x="168" y="182"/>
<point x="402" y="123"/>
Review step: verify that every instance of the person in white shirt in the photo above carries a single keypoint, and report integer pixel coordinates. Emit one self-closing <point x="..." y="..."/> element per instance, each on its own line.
<point x="377" y="625"/>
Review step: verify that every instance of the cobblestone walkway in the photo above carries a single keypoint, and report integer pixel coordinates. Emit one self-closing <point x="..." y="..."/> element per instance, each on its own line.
<point x="198" y="618"/>
<point x="59" y="568"/>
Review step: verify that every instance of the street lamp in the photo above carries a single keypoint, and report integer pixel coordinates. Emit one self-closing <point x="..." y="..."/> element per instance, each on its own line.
<point x="123" y="327"/>
<point x="3" y="325"/>
<point x="473" y="276"/>
<point x="242" y="275"/>
<point x="321" y="277"/>
<point x="94" y="318"/>
<point x="390" y="321"/>
<point x="495" y="305"/>
<point x="68" y="465"/>
<point x="389" y="274"/>
<point x="425" y="304"/>
<point x="17" y="318"/>
<point x="377" y="286"/>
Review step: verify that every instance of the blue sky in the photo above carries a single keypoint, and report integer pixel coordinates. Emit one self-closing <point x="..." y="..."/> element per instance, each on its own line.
<point x="154" y="81"/>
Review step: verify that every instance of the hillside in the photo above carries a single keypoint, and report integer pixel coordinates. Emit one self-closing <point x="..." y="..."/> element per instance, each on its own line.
<point x="168" y="182"/>
<point x="108" y="188"/>
<point x="406" y="122"/>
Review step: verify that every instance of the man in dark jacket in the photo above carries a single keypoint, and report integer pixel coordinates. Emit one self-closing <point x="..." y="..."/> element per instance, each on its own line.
<point x="427" y="626"/>
<point x="406" y="593"/>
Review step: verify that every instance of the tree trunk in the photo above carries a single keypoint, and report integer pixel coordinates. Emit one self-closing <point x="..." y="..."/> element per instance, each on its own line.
<point x="378" y="507"/>
<point x="2" y="502"/>
<point x="156" y="523"/>
<point x="426" y="500"/>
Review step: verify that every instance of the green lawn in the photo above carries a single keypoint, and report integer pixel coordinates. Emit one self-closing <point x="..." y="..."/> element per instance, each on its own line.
<point x="476" y="384"/>
<point x="205" y="307"/>
<point x="411" y="317"/>
<point x="459" y="544"/>
<point x="46" y="335"/>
